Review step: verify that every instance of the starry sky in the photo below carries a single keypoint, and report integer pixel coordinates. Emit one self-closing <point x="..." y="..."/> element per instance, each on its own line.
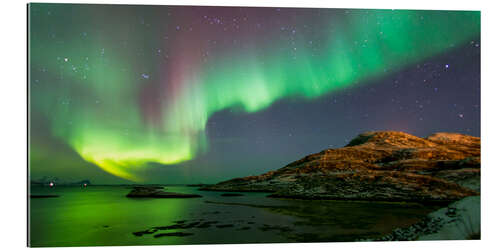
<point x="186" y="94"/>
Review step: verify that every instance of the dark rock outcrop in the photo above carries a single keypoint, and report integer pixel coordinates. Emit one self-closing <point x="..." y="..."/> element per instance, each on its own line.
<point x="390" y="166"/>
<point x="40" y="196"/>
<point x="155" y="192"/>
<point x="231" y="194"/>
<point x="177" y="234"/>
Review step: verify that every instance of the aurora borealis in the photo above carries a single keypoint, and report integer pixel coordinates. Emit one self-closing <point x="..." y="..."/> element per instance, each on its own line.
<point x="141" y="91"/>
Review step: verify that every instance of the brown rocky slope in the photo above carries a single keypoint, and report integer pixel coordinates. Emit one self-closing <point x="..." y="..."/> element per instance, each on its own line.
<point x="384" y="166"/>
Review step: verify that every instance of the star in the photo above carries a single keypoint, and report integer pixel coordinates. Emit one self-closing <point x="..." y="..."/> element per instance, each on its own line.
<point x="258" y="79"/>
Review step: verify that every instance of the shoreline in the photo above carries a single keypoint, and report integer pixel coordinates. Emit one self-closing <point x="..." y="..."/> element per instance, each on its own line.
<point x="460" y="220"/>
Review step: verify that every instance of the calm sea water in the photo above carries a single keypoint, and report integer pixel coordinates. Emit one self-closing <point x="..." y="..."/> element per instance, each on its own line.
<point x="102" y="215"/>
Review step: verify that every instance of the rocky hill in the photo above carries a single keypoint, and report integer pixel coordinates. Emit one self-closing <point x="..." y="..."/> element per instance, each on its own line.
<point x="387" y="165"/>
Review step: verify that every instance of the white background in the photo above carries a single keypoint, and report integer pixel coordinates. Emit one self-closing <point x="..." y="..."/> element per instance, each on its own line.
<point x="14" y="116"/>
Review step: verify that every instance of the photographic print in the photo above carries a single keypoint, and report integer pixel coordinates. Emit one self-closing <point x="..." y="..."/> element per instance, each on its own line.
<point x="175" y="125"/>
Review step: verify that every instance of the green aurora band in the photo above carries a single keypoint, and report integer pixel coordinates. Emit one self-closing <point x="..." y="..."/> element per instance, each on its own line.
<point x="91" y="100"/>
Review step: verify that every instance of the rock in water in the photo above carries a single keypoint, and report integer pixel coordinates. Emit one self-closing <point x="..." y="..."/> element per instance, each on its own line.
<point x="153" y="192"/>
<point x="38" y="196"/>
<point x="177" y="234"/>
<point x="382" y="166"/>
<point x="231" y="194"/>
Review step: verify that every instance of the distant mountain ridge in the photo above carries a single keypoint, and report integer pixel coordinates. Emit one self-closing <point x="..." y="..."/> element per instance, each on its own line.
<point x="384" y="165"/>
<point x="45" y="181"/>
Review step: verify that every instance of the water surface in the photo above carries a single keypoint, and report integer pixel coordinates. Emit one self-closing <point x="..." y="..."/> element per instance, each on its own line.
<point x="102" y="215"/>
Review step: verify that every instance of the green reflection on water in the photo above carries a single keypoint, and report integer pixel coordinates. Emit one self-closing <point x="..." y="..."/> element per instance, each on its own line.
<point x="102" y="215"/>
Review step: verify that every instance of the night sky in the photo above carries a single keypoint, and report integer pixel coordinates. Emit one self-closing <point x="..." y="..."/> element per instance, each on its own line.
<point x="160" y="94"/>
